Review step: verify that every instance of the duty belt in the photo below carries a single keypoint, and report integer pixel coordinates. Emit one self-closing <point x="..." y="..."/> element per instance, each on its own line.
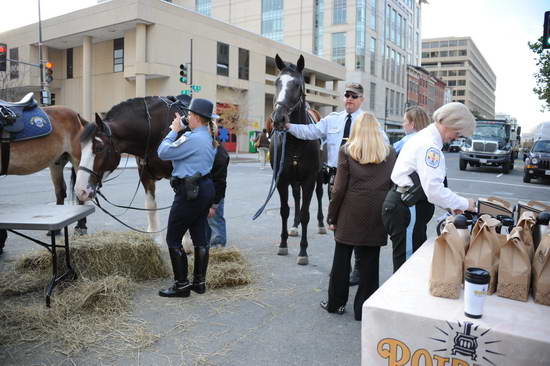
<point x="401" y="189"/>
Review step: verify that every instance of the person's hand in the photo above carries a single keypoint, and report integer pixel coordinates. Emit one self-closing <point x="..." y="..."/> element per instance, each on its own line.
<point x="332" y="227"/>
<point x="176" y="123"/>
<point x="211" y="212"/>
<point x="287" y="126"/>
<point x="472" y="205"/>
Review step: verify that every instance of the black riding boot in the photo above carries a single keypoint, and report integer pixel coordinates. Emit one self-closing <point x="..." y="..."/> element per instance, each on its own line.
<point x="199" y="270"/>
<point x="354" y="277"/>
<point x="181" y="287"/>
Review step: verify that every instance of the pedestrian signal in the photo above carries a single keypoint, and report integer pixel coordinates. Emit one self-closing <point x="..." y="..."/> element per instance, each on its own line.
<point x="183" y="73"/>
<point x="49" y="72"/>
<point x="546" y="34"/>
<point x="3" y="56"/>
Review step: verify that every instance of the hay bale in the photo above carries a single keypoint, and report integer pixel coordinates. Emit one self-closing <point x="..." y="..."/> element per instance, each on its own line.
<point x="131" y="255"/>
<point x="227" y="268"/>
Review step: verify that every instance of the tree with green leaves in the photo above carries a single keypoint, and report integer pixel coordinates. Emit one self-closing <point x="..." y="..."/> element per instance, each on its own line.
<point x="542" y="77"/>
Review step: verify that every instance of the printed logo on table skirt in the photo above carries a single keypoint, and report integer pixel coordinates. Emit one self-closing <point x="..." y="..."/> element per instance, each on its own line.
<point x="460" y="344"/>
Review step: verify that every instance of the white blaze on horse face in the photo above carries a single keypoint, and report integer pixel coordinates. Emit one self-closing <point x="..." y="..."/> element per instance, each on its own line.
<point x="82" y="188"/>
<point x="285" y="79"/>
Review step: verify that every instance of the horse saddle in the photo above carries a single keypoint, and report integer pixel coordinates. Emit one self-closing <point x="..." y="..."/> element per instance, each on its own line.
<point x="23" y="120"/>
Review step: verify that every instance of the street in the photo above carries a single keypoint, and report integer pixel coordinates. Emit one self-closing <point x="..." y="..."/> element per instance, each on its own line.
<point x="283" y="323"/>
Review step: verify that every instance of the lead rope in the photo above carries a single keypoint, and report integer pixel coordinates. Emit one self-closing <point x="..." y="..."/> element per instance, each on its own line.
<point x="276" y="170"/>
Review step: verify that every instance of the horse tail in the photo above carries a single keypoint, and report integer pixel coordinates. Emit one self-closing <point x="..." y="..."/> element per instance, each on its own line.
<point x="72" y="184"/>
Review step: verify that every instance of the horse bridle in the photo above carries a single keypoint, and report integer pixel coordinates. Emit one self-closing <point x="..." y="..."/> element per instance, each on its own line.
<point x="291" y="109"/>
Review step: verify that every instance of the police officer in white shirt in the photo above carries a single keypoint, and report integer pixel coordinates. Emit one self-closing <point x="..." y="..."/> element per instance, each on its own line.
<point x="419" y="173"/>
<point x="335" y="130"/>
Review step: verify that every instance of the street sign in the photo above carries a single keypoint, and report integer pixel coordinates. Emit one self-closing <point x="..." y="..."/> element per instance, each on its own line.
<point x="196" y="88"/>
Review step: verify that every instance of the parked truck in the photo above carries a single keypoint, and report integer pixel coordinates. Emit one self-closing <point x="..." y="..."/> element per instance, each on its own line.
<point x="495" y="142"/>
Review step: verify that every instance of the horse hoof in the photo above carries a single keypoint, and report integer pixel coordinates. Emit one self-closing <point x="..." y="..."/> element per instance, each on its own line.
<point x="282" y="251"/>
<point x="302" y="260"/>
<point x="79" y="231"/>
<point x="293" y="231"/>
<point x="322" y="230"/>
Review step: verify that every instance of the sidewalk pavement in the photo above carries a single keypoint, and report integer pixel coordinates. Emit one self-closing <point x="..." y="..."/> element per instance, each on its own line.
<point x="128" y="161"/>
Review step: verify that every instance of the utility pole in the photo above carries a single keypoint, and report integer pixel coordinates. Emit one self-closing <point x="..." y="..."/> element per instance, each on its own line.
<point x="44" y="92"/>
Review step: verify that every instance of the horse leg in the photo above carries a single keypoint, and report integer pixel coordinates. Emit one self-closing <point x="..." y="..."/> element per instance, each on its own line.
<point x="284" y="211"/>
<point x="80" y="228"/>
<point x="60" y="188"/>
<point x="307" y="188"/>
<point x="153" y="223"/>
<point x="3" y="238"/>
<point x="296" y="194"/>
<point x="319" y="193"/>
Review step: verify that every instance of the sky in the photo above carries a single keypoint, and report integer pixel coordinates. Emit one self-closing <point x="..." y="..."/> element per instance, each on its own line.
<point x="499" y="28"/>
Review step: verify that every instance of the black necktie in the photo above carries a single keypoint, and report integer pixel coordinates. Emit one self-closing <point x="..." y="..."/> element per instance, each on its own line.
<point x="346" y="129"/>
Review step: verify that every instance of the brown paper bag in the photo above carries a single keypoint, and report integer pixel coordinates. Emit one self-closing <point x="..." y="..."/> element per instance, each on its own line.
<point x="447" y="263"/>
<point x="485" y="247"/>
<point x="495" y="206"/>
<point x="541" y="271"/>
<point x="514" y="268"/>
<point x="526" y="222"/>
<point x="535" y="207"/>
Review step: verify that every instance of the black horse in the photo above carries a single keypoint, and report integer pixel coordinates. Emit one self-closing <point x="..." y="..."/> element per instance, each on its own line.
<point x="301" y="159"/>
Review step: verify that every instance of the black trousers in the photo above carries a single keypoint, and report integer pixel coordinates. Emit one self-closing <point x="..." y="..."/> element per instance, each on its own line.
<point x="396" y="217"/>
<point x="190" y="215"/>
<point x="338" y="287"/>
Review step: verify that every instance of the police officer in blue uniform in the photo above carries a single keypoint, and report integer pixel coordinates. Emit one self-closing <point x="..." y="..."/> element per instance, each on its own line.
<point x="335" y="129"/>
<point x="192" y="156"/>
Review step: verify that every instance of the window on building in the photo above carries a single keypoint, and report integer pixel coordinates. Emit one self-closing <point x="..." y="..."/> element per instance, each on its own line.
<point x="360" y="28"/>
<point x="244" y="61"/>
<point x="14" y="65"/>
<point x="339" y="11"/>
<point x="387" y="16"/>
<point x="399" y="23"/>
<point x="443" y="43"/>
<point x="372" y="101"/>
<point x="434" y="54"/>
<point x="373" y="56"/>
<point x="462" y="52"/>
<point x="461" y="42"/>
<point x="393" y="25"/>
<point x="204" y="7"/>
<point x="452" y="53"/>
<point x="461" y="82"/>
<point x="339" y="48"/>
<point x="425" y="54"/>
<point x="373" y="14"/>
<point x="392" y="62"/>
<point x="272" y="19"/>
<point x="118" y="55"/>
<point x="452" y="43"/>
<point x="318" y="25"/>
<point x="69" y="56"/>
<point x="222" y="66"/>
<point x="392" y="101"/>
<point x="451" y="83"/>
<point x="461" y="92"/>
<point x="452" y="72"/>
<point x="461" y="72"/>
<point x="443" y="53"/>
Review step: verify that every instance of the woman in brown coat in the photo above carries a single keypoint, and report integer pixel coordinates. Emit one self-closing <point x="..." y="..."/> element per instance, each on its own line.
<point x="365" y="164"/>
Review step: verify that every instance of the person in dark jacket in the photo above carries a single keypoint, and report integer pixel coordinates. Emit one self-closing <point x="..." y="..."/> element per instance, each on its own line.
<point x="362" y="181"/>
<point x="217" y="232"/>
<point x="262" y="144"/>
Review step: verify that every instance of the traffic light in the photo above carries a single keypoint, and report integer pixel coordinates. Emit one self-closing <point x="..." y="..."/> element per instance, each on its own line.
<point x="3" y="56"/>
<point x="183" y="73"/>
<point x="546" y="34"/>
<point x="49" y="72"/>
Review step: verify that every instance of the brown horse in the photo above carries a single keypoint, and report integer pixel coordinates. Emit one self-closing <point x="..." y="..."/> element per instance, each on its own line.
<point x="135" y="126"/>
<point x="52" y="151"/>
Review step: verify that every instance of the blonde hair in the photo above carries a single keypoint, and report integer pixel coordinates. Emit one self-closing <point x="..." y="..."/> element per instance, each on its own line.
<point x="418" y="117"/>
<point x="366" y="144"/>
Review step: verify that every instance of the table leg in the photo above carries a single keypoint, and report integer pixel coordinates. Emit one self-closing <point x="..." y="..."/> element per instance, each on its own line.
<point x="70" y="269"/>
<point x="69" y="272"/>
<point x="53" y="282"/>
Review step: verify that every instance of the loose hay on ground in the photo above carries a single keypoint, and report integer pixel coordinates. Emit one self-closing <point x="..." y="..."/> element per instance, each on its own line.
<point x="92" y="312"/>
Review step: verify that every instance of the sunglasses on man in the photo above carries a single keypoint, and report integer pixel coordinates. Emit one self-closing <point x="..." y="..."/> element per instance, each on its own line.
<point x="349" y="95"/>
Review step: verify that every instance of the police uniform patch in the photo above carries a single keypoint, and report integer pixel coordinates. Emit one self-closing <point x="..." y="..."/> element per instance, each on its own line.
<point x="179" y="141"/>
<point x="433" y="157"/>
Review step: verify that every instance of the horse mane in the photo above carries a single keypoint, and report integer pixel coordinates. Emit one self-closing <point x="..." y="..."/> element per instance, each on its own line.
<point x="88" y="132"/>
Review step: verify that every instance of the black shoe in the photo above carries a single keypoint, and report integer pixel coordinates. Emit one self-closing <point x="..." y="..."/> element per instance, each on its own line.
<point x="178" y="289"/>
<point x="341" y="310"/>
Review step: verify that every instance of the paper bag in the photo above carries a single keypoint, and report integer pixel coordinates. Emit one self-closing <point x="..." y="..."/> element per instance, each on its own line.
<point x="485" y="247"/>
<point x="514" y="268"/>
<point x="526" y="222"/>
<point x="535" y="207"/>
<point x="494" y="206"/>
<point x="447" y="263"/>
<point x="541" y="271"/>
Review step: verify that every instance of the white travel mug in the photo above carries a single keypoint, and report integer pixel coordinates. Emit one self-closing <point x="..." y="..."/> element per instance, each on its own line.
<point x="476" y="285"/>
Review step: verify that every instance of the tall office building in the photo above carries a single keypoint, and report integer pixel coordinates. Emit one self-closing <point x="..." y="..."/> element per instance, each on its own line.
<point x="460" y="64"/>
<point x="373" y="39"/>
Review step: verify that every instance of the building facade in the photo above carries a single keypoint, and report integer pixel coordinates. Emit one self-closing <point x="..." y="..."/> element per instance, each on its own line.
<point x="460" y="64"/>
<point x="121" y="49"/>
<point x="424" y="89"/>
<point x="374" y="40"/>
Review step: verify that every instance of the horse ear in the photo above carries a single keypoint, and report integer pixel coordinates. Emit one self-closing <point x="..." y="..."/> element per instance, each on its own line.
<point x="280" y="63"/>
<point x="98" y="121"/>
<point x="300" y="63"/>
